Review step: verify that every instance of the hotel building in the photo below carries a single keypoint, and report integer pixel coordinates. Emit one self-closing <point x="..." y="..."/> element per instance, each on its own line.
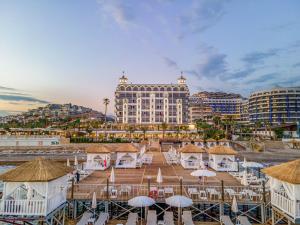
<point x="152" y="103"/>
<point x="277" y="105"/>
<point x="207" y="104"/>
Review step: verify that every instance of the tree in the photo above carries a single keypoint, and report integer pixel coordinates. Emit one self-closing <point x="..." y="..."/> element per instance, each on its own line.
<point x="217" y="121"/>
<point x="164" y="127"/>
<point x="144" y="130"/>
<point x="105" y="102"/>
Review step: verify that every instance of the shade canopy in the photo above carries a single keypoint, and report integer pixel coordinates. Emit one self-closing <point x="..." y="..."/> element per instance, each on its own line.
<point x="112" y="177"/>
<point x="141" y="201"/>
<point x="37" y="170"/>
<point x="68" y="162"/>
<point x="244" y="180"/>
<point x="159" y="178"/>
<point x="203" y="173"/>
<point x="94" y="201"/>
<point x="221" y="150"/>
<point x="190" y="148"/>
<point x="252" y="165"/>
<point x="288" y="172"/>
<point x="75" y="161"/>
<point x="127" y="148"/>
<point x="94" y="149"/>
<point x="179" y="201"/>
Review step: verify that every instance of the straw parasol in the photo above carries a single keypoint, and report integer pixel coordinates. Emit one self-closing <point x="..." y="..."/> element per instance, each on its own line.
<point x="97" y="149"/>
<point x="190" y="148"/>
<point x="37" y="170"/>
<point x="221" y="150"/>
<point x="288" y="172"/>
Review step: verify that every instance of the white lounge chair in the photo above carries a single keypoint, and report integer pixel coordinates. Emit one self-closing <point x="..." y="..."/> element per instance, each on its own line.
<point x="84" y="219"/>
<point x="103" y="219"/>
<point x="169" y="218"/>
<point x="225" y="220"/>
<point x="187" y="218"/>
<point x="243" y="220"/>
<point x="151" y="217"/>
<point x="132" y="219"/>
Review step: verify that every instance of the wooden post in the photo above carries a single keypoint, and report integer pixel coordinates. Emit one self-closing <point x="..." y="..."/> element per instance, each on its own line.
<point x="72" y="189"/>
<point x="180" y="179"/>
<point x="148" y="180"/>
<point x="223" y="194"/>
<point x="107" y="188"/>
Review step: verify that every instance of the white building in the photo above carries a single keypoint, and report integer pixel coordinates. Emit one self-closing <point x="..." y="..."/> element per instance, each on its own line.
<point x="98" y="157"/>
<point x="191" y="156"/>
<point x="199" y="142"/>
<point x="222" y="158"/>
<point x="29" y="141"/>
<point x="285" y="189"/>
<point x="224" y="142"/>
<point x="127" y="156"/>
<point x="211" y="142"/>
<point x="36" y="188"/>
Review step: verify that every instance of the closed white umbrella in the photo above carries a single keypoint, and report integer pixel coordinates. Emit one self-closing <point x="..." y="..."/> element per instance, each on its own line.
<point x="94" y="201"/>
<point x="234" y="206"/>
<point x="68" y="162"/>
<point x="75" y="161"/>
<point x="112" y="176"/>
<point x="244" y="180"/>
<point x="159" y="177"/>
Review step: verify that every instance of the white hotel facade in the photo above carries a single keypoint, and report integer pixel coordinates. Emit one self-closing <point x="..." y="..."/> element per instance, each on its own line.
<point x="152" y="103"/>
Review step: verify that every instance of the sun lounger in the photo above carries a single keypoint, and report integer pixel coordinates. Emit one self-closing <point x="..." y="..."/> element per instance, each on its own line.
<point x="187" y="218"/>
<point x="103" y="218"/>
<point x="168" y="218"/>
<point x="84" y="219"/>
<point x="132" y="219"/>
<point x="226" y="220"/>
<point x="243" y="220"/>
<point x="151" y="217"/>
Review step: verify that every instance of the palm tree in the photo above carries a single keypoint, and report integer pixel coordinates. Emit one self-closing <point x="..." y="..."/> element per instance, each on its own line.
<point x="164" y="127"/>
<point x="105" y="102"/>
<point x="216" y="120"/>
<point x="144" y="129"/>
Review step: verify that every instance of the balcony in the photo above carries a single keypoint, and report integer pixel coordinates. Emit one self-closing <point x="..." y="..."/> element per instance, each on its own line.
<point x="23" y="207"/>
<point x="290" y="207"/>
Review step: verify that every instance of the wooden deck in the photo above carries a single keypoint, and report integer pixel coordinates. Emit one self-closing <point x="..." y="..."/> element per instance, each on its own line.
<point x="137" y="179"/>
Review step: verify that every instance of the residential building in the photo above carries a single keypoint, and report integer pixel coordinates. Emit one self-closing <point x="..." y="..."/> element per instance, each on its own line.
<point x="152" y="103"/>
<point x="276" y="105"/>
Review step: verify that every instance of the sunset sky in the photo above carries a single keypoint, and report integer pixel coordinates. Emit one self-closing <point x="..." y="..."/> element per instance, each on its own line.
<point x="63" y="51"/>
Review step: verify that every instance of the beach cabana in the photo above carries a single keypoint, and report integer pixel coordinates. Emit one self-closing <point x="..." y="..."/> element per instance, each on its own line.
<point x="185" y="141"/>
<point x="199" y="142"/>
<point x="35" y="188"/>
<point x="127" y="155"/>
<point x="224" y="142"/>
<point x="190" y="156"/>
<point x="211" y="142"/>
<point x="222" y="158"/>
<point x="285" y="188"/>
<point x="98" y="157"/>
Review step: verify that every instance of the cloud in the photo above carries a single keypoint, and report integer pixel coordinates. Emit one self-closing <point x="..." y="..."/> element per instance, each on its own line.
<point x="259" y="57"/>
<point x="203" y="15"/>
<point x="264" y="78"/>
<point x="241" y="73"/>
<point x="121" y="11"/>
<point x="7" y="88"/>
<point x="170" y="63"/>
<point x="21" y="98"/>
<point x="296" y="65"/>
<point x="9" y="112"/>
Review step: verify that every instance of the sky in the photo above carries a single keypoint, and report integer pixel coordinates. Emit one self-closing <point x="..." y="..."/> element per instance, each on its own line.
<point x="64" y="51"/>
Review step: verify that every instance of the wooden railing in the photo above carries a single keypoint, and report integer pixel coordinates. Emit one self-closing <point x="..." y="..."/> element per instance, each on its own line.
<point x="289" y="206"/>
<point x="23" y="207"/>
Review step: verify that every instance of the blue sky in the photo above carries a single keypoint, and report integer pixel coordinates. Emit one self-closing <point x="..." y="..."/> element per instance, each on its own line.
<point x="64" y="51"/>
